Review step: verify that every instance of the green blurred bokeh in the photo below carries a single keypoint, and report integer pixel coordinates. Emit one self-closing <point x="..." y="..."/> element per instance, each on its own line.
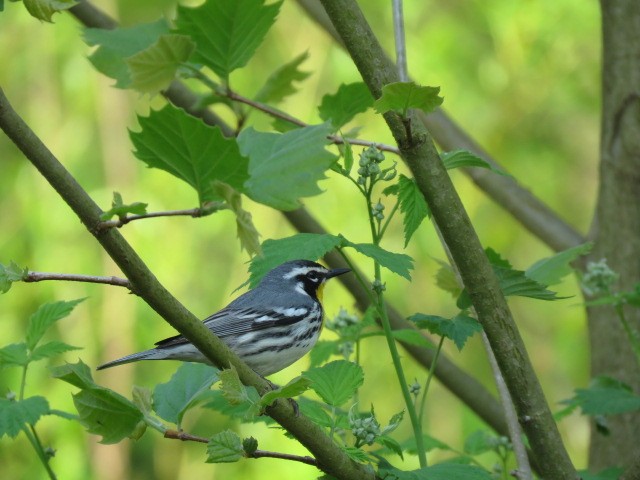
<point x="521" y="77"/>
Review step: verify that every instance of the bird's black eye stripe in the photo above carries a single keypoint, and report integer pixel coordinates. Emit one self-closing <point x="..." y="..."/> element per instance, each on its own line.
<point x="313" y="276"/>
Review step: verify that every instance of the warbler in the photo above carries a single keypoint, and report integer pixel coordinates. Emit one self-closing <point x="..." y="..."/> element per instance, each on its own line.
<point x="269" y="327"/>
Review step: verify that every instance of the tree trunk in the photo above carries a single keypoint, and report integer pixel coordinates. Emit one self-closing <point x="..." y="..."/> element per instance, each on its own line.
<point x="617" y="221"/>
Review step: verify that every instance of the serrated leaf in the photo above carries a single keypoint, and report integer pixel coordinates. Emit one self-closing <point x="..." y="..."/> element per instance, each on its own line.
<point x="143" y="399"/>
<point x="306" y="246"/>
<point x="106" y="413"/>
<point x="120" y="43"/>
<point x="458" y="329"/>
<point x="172" y="399"/>
<point x="340" y="108"/>
<point x="249" y="445"/>
<point x="51" y="349"/>
<point x="292" y="389"/>
<point x="17" y="414"/>
<point x="155" y="67"/>
<point x="44" y="9"/>
<point x="605" y="396"/>
<point x="9" y="274"/>
<point x="480" y="441"/>
<point x="391" y="444"/>
<point x="356" y="454"/>
<point x="551" y="270"/>
<point x="14" y="354"/>
<point x="77" y="374"/>
<point x="285" y="167"/>
<point x="401" y="96"/>
<point x="174" y="141"/>
<point x="224" y="447"/>
<point x="398" y="263"/>
<point x="120" y="209"/>
<point x="226" y="33"/>
<point x="44" y="317"/>
<point x="411" y="337"/>
<point x="336" y="382"/>
<point x="322" y="351"/>
<point x="238" y="395"/>
<point x="315" y="411"/>
<point x="412" y="204"/>
<point x="464" y="158"/>
<point x="245" y="229"/>
<point x="245" y="411"/>
<point x="280" y="84"/>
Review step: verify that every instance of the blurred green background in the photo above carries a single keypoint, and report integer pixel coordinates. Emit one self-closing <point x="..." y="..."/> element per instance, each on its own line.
<point x="522" y="77"/>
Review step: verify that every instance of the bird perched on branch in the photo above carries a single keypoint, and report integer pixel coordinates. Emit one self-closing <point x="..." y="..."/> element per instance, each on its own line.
<point x="269" y="327"/>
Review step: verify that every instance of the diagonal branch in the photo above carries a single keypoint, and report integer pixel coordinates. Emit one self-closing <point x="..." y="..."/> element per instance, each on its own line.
<point x="331" y="458"/>
<point x="526" y="208"/>
<point x="433" y="181"/>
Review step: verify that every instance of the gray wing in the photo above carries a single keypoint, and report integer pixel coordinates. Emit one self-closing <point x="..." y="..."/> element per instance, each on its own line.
<point x="237" y="321"/>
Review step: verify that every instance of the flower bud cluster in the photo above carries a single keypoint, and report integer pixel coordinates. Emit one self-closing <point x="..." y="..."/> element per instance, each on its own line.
<point x="378" y="286"/>
<point x="343" y="320"/>
<point x="365" y="429"/>
<point x="377" y="210"/>
<point x="598" y="278"/>
<point x="369" y="166"/>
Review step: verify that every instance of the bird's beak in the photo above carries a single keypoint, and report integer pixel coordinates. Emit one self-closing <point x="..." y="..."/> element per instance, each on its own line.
<point x="336" y="271"/>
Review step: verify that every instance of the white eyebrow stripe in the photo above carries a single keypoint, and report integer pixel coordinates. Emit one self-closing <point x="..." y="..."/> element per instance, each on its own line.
<point x="303" y="271"/>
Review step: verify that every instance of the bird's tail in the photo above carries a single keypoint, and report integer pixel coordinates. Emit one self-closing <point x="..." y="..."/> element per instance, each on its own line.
<point x="134" y="357"/>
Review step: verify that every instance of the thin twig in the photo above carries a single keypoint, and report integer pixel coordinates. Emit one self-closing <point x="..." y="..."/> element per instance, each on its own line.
<point x="187" y="437"/>
<point x="401" y="46"/>
<point x="72" y="277"/>
<point x="191" y="212"/>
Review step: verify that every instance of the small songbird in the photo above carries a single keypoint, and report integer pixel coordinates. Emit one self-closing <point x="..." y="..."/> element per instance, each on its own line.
<point x="269" y="327"/>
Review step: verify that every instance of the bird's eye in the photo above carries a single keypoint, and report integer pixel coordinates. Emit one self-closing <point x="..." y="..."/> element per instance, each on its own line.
<point x="313" y="276"/>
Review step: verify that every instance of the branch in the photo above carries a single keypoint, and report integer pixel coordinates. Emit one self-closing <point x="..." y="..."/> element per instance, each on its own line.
<point x="187" y="437"/>
<point x="331" y="458"/>
<point x="527" y="209"/>
<point x="431" y="177"/>
<point x="191" y="212"/>
<point x="72" y="277"/>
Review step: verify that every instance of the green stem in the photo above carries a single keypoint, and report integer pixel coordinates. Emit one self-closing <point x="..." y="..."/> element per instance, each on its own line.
<point x="23" y="382"/>
<point x="389" y="217"/>
<point x="37" y="446"/>
<point x="423" y="400"/>
<point x="633" y="336"/>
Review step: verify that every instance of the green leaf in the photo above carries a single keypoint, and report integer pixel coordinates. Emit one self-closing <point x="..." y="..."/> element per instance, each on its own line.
<point x="348" y="156"/>
<point x="245" y="411"/>
<point x="155" y="67"/>
<point x="245" y="229"/>
<point x="77" y="374"/>
<point x="307" y="246"/>
<point x="44" y="9"/>
<point x="224" y="447"/>
<point x="398" y="263"/>
<point x="51" y="349"/>
<point x="411" y="337"/>
<point x="9" y="274"/>
<point x="430" y="443"/>
<point x="236" y="394"/>
<point x="172" y="399"/>
<point x="116" y="45"/>
<point x="226" y="33"/>
<point x="336" y="382"/>
<point x="44" y="317"/>
<point x="101" y="411"/>
<point x="413" y="206"/>
<point x="401" y="96"/>
<point x="15" y="354"/>
<point x="17" y="414"/>
<point x="190" y="150"/>
<point x="464" y="158"/>
<point x="315" y="411"/>
<point x="446" y="279"/>
<point x="551" y="270"/>
<point x="356" y="454"/>
<point x="322" y="351"/>
<point x="458" y="329"/>
<point x="143" y="399"/>
<point x="108" y="414"/>
<point x="249" y="445"/>
<point x="120" y="209"/>
<point x="391" y="444"/>
<point x="480" y="441"/>
<point x="284" y="167"/>
<point x="605" y="396"/>
<point x="280" y="84"/>
<point x="292" y="389"/>
<point x="340" y="107"/>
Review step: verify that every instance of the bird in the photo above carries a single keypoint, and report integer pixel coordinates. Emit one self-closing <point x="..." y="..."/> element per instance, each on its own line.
<point x="269" y="327"/>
